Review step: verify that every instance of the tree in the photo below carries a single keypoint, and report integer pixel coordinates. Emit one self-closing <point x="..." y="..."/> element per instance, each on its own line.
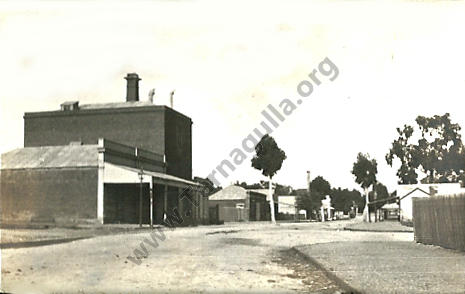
<point x="320" y="185"/>
<point x="319" y="188"/>
<point x="344" y="199"/>
<point x="406" y="154"/>
<point x="207" y="186"/>
<point x="269" y="159"/>
<point x="438" y="152"/>
<point x="303" y="201"/>
<point x="365" y="170"/>
<point x="379" y="192"/>
<point x="283" y="189"/>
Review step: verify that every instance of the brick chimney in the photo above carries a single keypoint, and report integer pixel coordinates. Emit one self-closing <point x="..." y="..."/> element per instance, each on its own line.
<point x="132" y="93"/>
<point x="308" y="181"/>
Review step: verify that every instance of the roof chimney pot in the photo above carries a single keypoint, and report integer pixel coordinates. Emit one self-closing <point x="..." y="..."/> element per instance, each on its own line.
<point x="308" y="181"/>
<point x="132" y="93"/>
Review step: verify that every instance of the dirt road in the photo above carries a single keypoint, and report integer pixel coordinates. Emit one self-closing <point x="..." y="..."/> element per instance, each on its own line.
<point x="231" y="258"/>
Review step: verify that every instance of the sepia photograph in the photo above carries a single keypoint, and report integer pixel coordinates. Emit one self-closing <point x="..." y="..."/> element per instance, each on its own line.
<point x="200" y="146"/>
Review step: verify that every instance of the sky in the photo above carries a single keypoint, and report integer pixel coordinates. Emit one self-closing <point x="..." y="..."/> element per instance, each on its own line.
<point x="228" y="60"/>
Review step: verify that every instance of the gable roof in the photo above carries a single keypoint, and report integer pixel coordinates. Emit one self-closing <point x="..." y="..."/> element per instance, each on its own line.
<point x="234" y="192"/>
<point x="416" y="189"/>
<point x="230" y="193"/>
<point x="51" y="157"/>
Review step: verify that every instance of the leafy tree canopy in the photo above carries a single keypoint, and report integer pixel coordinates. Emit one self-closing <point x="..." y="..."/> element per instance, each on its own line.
<point x="320" y="185"/>
<point x="435" y="148"/>
<point x="269" y="157"/>
<point x="380" y="192"/>
<point x="344" y="199"/>
<point x="365" y="170"/>
<point x="303" y="200"/>
<point x="319" y="188"/>
<point x="207" y="186"/>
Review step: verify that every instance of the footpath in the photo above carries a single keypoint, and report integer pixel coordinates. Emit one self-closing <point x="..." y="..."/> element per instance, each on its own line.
<point x="384" y="226"/>
<point x="21" y="237"/>
<point x="389" y="266"/>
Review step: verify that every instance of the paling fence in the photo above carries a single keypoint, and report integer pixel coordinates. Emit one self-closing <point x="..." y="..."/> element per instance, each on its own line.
<point x="440" y="220"/>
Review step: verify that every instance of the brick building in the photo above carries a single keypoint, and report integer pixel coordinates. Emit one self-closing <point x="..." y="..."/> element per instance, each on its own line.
<point x="155" y="128"/>
<point x="100" y="162"/>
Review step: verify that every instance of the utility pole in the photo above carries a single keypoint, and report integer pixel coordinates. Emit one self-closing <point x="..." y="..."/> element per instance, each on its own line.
<point x="151" y="202"/>
<point x="309" y="194"/>
<point x="141" y="177"/>
<point x="374" y="198"/>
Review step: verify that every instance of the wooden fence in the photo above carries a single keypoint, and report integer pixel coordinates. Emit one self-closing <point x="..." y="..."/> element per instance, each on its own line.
<point x="440" y="220"/>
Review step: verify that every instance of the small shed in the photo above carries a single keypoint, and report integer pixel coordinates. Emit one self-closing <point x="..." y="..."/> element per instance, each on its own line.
<point x="236" y="203"/>
<point x="390" y="211"/>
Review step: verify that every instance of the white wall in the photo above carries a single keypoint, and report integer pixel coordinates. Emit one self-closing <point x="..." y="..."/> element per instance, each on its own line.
<point x="286" y="204"/>
<point x="116" y="174"/>
<point x="406" y="204"/>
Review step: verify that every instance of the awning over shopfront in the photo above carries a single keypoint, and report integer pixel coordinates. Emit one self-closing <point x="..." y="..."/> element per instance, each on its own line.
<point x="162" y="178"/>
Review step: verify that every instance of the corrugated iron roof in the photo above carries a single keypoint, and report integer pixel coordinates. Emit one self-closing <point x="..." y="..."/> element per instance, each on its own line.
<point x="51" y="157"/>
<point x="162" y="176"/>
<point x="230" y="193"/>
<point x="234" y="192"/>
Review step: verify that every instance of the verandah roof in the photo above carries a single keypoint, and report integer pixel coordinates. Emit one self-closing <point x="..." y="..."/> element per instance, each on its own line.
<point x="164" y="179"/>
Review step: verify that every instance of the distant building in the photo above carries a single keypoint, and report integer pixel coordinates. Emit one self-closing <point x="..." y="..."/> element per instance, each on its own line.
<point x="287" y="204"/>
<point x="236" y="203"/>
<point x="92" y="163"/>
<point x="405" y="193"/>
<point x="390" y="211"/>
<point x="287" y="208"/>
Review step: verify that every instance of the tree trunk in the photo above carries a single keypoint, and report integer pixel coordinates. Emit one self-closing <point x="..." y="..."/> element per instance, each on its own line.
<point x="366" y="214"/>
<point x="273" y="220"/>
<point x="374" y="198"/>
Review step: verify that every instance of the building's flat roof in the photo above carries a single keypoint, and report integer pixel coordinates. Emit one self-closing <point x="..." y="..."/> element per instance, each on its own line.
<point x="111" y="107"/>
<point x="51" y="157"/>
<point x="116" y="105"/>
